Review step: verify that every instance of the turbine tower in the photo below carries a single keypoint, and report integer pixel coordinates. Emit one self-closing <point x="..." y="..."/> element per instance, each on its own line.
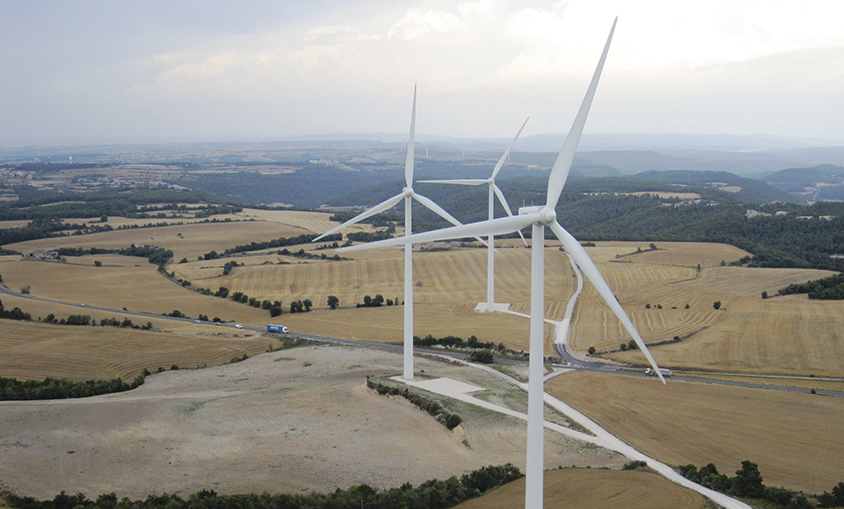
<point x="407" y="194"/>
<point x="538" y="218"/>
<point x="493" y="189"/>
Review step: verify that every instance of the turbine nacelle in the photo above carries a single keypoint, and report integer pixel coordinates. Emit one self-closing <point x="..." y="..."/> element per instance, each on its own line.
<point x="545" y="215"/>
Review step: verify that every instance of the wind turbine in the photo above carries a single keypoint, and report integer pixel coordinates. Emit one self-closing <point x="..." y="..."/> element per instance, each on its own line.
<point x="408" y="195"/>
<point x="538" y="218"/>
<point x="493" y="189"/>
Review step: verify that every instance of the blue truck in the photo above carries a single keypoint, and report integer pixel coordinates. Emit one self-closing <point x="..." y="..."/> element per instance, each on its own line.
<point x="281" y="329"/>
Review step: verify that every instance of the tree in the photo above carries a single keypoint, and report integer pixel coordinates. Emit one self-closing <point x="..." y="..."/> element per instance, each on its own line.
<point x="592" y="350"/>
<point x="624" y="347"/>
<point x="98" y="263"/>
<point x="717" y="304"/>
<point x="25" y="289"/>
<point x="307" y="303"/>
<point x="765" y="294"/>
<point x="653" y="246"/>
<point x="333" y="301"/>
<point x="748" y="481"/>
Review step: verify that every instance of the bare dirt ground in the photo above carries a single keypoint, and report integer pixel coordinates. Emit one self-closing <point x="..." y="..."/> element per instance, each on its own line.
<point x="287" y="421"/>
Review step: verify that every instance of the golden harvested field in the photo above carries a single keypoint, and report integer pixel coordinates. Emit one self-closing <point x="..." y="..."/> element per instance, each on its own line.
<point x="791" y="335"/>
<point x="137" y="288"/>
<point x="187" y="240"/>
<point x="448" y="287"/>
<point x="683" y="254"/>
<point x="795" y="439"/>
<point x="40" y="309"/>
<point x="34" y="351"/>
<point x="313" y="222"/>
<point x="13" y="224"/>
<point x="598" y="489"/>
<point x="833" y="385"/>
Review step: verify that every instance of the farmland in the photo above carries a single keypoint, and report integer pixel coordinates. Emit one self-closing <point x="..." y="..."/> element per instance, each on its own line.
<point x="785" y="335"/>
<point x="33" y="351"/>
<point x="794" y="438"/>
<point x="790" y="335"/>
<point x="598" y="489"/>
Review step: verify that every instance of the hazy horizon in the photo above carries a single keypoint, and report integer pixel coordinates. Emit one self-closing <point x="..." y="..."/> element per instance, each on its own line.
<point x="268" y="70"/>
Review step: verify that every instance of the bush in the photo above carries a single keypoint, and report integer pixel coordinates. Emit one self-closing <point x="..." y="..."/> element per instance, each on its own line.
<point x="484" y="356"/>
<point x="717" y="304"/>
<point x="452" y="421"/>
<point x="633" y="465"/>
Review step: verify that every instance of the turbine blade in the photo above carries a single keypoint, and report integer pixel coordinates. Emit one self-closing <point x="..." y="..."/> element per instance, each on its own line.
<point x="507" y="152"/>
<point x="503" y="201"/>
<point x="441" y="212"/>
<point x="411" y="144"/>
<point x="498" y="226"/>
<point x="560" y="171"/>
<point x="360" y="217"/>
<point x="588" y="267"/>
<point x="461" y="182"/>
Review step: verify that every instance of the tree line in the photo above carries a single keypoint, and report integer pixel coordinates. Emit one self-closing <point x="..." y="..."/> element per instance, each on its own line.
<point x="433" y="408"/>
<point x="62" y="388"/>
<point x="432" y="494"/>
<point x="270" y="244"/>
<point x="828" y="288"/>
<point x="747" y="483"/>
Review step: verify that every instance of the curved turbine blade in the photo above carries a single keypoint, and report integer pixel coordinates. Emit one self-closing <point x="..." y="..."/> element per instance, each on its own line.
<point x="371" y="212"/>
<point x="460" y="182"/>
<point x="503" y="201"/>
<point x="588" y="267"/>
<point x="560" y="171"/>
<point x="507" y="152"/>
<point x="411" y="143"/>
<point x="498" y="226"/>
<point x="441" y="212"/>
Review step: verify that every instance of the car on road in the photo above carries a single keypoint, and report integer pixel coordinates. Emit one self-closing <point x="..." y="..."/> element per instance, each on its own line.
<point x="238" y="326"/>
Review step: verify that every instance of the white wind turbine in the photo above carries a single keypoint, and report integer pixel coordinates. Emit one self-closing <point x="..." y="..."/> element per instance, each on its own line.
<point x="408" y="194"/>
<point x="539" y="217"/>
<point x="493" y="189"/>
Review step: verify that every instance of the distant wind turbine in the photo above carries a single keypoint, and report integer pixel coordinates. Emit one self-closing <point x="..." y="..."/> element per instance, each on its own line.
<point x="408" y="194"/>
<point x="493" y="189"/>
<point x="538" y="218"/>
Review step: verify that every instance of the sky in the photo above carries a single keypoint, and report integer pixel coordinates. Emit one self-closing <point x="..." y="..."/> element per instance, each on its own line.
<point x="225" y="69"/>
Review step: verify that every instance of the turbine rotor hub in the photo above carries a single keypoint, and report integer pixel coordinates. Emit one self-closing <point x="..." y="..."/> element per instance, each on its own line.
<point x="549" y="216"/>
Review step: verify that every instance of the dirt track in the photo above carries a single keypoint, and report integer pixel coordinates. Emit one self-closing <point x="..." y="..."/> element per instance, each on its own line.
<point x="295" y="420"/>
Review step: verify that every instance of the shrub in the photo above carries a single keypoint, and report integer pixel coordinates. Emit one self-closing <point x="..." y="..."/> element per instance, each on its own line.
<point x="452" y="421"/>
<point x="484" y="356"/>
